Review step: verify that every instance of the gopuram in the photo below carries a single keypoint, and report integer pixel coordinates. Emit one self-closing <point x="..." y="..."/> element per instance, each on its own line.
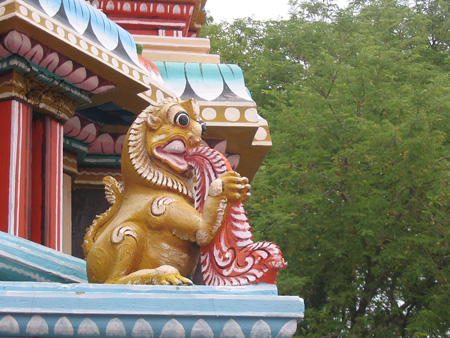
<point x="123" y="97"/>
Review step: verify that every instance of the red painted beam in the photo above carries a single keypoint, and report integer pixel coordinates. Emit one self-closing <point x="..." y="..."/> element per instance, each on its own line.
<point x="15" y="171"/>
<point x="47" y="182"/>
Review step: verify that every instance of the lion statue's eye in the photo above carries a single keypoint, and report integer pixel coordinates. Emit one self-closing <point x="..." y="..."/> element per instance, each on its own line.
<point x="203" y="125"/>
<point x="182" y="119"/>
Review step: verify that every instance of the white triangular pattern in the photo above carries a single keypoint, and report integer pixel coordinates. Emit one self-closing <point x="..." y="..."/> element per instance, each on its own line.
<point x="260" y="330"/>
<point x="201" y="329"/>
<point x="231" y="329"/>
<point x="173" y="329"/>
<point x="115" y="328"/>
<point x="142" y="329"/>
<point x="288" y="330"/>
<point x="9" y="325"/>
<point x="63" y="327"/>
<point x="88" y="328"/>
<point x="37" y="326"/>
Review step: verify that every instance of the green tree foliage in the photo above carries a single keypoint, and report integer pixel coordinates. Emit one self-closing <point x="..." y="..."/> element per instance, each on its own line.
<point x="356" y="190"/>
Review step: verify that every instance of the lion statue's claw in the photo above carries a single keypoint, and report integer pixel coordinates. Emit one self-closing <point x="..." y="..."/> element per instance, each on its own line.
<point x="168" y="275"/>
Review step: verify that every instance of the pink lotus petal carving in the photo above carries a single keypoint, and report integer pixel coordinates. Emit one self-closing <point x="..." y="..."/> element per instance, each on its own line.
<point x="26" y="45"/>
<point x="50" y="62"/>
<point x="65" y="69"/>
<point x="14" y="41"/>
<point x="221" y="146"/>
<point x="90" y="83"/>
<point x="104" y="144"/>
<point x="4" y="52"/>
<point x="35" y="54"/>
<point x="104" y="89"/>
<point x="72" y="127"/>
<point x="119" y="144"/>
<point x="77" y="76"/>
<point x="88" y="134"/>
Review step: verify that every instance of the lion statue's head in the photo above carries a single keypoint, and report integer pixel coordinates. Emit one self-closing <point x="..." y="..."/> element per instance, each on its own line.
<point x="156" y="143"/>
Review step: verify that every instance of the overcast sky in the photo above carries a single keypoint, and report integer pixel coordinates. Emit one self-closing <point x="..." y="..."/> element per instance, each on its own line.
<point x="258" y="9"/>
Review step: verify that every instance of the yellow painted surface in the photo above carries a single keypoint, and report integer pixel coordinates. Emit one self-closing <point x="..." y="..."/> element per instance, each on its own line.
<point x="174" y="49"/>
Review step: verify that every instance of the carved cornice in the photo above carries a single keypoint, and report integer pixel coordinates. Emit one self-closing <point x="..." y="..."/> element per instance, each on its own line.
<point x="43" y="98"/>
<point x="50" y="82"/>
<point x="61" y="69"/>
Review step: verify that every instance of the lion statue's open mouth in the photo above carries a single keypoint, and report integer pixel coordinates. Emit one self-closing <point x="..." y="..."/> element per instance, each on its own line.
<point x="173" y="154"/>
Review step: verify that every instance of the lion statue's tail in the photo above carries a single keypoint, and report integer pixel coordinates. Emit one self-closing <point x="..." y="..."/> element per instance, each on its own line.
<point x="113" y="194"/>
<point x="232" y="258"/>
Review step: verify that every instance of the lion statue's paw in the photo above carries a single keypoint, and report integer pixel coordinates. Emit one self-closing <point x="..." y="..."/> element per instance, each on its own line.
<point x="167" y="275"/>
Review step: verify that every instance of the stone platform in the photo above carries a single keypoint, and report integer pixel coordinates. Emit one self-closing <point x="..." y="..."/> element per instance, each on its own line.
<point x="30" y="309"/>
<point x="67" y="306"/>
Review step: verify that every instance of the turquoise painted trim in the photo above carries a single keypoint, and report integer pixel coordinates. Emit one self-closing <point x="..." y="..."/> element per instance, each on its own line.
<point x="244" y="290"/>
<point x="161" y="300"/>
<point x="91" y="23"/>
<point x="174" y="76"/>
<point x="102" y="159"/>
<point x="81" y="149"/>
<point x="204" y="81"/>
<point x="96" y="310"/>
<point x="234" y="78"/>
<point x="23" y="260"/>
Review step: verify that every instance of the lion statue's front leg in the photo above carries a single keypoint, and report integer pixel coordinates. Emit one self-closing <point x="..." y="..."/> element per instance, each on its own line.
<point x="165" y="248"/>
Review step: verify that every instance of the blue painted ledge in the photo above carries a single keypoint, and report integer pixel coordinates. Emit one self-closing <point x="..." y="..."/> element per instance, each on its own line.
<point x="23" y="260"/>
<point x="68" y="306"/>
<point x="33" y="309"/>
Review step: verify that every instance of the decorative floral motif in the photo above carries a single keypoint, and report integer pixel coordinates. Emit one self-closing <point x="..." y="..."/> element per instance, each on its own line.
<point x="86" y="131"/>
<point x="232" y="258"/>
<point x="80" y="129"/>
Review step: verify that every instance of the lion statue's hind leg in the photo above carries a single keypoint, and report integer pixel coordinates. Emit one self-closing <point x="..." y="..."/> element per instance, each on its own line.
<point x="119" y="262"/>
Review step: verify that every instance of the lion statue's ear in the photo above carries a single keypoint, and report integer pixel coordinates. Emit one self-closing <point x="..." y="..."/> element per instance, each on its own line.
<point x="195" y="106"/>
<point x="153" y="122"/>
<point x="192" y="106"/>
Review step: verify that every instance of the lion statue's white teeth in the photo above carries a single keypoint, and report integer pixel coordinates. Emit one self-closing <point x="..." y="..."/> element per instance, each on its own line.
<point x="173" y="154"/>
<point x="176" y="147"/>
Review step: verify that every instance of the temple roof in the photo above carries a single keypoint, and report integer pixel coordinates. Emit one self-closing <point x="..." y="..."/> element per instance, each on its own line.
<point x="178" y="18"/>
<point x="86" y="54"/>
<point x="92" y="23"/>
<point x="205" y="81"/>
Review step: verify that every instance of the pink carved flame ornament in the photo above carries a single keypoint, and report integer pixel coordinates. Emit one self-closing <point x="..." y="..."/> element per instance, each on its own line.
<point x="232" y="258"/>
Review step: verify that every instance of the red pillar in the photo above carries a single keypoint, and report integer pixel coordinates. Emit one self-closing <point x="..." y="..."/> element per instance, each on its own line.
<point x="37" y="192"/>
<point x="15" y="168"/>
<point x="47" y="182"/>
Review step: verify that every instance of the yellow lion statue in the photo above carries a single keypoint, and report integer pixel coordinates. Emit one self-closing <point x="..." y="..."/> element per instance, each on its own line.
<point x="152" y="233"/>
